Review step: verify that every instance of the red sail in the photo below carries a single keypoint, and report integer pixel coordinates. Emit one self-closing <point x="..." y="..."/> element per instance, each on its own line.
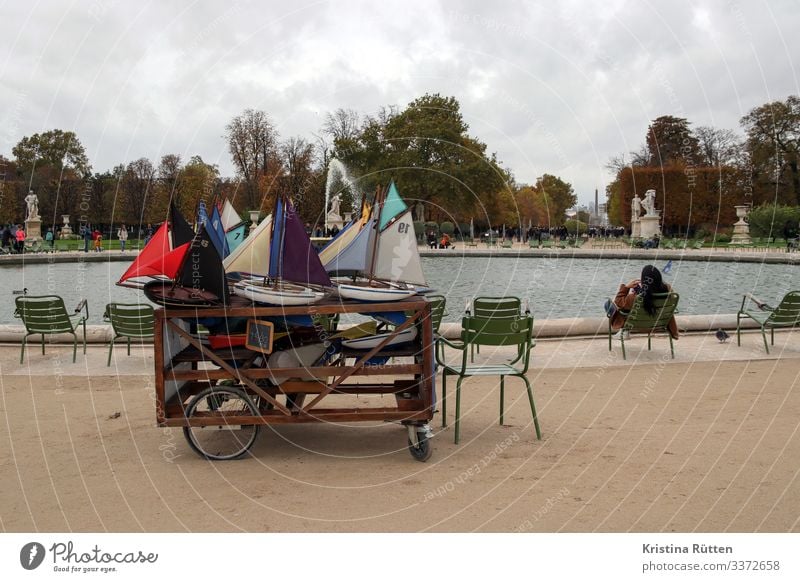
<point x="166" y="265"/>
<point x="151" y="253"/>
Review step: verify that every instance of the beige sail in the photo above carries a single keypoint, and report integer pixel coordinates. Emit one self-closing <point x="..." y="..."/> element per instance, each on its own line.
<point x="252" y="256"/>
<point x="229" y="216"/>
<point x="398" y="257"/>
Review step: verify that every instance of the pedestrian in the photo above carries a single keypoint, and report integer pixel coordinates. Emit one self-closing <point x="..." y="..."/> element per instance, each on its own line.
<point x="148" y="234"/>
<point x="122" y="235"/>
<point x="98" y="241"/>
<point x="86" y="234"/>
<point x="20" y="236"/>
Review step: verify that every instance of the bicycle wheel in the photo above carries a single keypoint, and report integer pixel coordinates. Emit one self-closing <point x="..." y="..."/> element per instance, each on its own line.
<point x="225" y="441"/>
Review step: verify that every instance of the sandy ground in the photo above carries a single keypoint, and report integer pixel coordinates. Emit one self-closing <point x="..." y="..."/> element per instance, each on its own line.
<point x="700" y="443"/>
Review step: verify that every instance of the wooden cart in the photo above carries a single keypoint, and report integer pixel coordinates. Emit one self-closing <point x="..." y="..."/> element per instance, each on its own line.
<point x="221" y="397"/>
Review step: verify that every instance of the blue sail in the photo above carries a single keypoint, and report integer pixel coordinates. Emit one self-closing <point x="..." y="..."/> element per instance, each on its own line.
<point x="276" y="245"/>
<point x="235" y="236"/>
<point x="217" y="232"/>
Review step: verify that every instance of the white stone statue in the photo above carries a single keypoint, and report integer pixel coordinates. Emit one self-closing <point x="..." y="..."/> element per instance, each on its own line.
<point x="649" y="203"/>
<point x="636" y="207"/>
<point x="33" y="205"/>
<point x="336" y="202"/>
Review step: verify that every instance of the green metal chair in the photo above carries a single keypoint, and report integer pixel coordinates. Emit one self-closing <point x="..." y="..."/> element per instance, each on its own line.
<point x="517" y="331"/>
<point x="47" y="315"/>
<point x="130" y="321"/>
<point x="786" y="314"/>
<point x="638" y="320"/>
<point x="494" y="307"/>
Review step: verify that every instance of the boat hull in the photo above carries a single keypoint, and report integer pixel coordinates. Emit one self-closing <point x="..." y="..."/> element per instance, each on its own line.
<point x="373" y="294"/>
<point x="285" y="295"/>
<point x="369" y="342"/>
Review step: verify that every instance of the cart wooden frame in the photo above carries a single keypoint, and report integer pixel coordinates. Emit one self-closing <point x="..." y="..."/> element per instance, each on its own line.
<point x="180" y="381"/>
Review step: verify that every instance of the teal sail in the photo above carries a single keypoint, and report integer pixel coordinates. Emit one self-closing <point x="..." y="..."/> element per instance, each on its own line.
<point x="392" y="207"/>
<point x="235" y="236"/>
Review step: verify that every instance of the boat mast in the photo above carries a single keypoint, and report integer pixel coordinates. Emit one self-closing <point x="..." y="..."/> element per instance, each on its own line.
<point x="377" y="208"/>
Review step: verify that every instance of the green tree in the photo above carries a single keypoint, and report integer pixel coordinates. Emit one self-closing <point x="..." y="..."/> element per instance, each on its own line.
<point x="670" y="140"/>
<point x="59" y="149"/>
<point x="556" y="196"/>
<point x="773" y="144"/>
<point x="253" y="145"/>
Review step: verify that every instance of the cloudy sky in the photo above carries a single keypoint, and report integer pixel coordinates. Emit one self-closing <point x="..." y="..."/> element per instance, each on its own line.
<point x="551" y="87"/>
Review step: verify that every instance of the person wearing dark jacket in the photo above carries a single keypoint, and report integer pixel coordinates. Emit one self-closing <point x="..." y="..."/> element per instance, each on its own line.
<point x="649" y="283"/>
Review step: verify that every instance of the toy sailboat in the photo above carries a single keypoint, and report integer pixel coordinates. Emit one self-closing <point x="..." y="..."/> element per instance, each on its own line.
<point x="294" y="274"/>
<point x="383" y="253"/>
<point x="178" y="268"/>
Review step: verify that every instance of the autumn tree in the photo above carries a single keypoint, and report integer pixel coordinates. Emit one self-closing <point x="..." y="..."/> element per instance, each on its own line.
<point x="554" y="198"/>
<point x="717" y="147"/>
<point x="62" y="150"/>
<point x="253" y="145"/>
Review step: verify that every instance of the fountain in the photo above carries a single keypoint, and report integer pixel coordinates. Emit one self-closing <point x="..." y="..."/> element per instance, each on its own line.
<point x="338" y="169"/>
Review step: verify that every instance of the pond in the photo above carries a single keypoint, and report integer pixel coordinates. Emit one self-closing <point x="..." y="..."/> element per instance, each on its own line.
<point x="555" y="287"/>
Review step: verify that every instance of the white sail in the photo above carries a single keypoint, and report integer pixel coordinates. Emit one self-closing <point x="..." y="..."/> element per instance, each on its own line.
<point x="229" y="216"/>
<point x="398" y="257"/>
<point x="252" y="256"/>
<point x="337" y="245"/>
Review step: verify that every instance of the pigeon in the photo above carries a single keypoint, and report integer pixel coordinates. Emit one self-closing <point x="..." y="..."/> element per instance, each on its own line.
<point x="722" y="336"/>
<point x="667" y="268"/>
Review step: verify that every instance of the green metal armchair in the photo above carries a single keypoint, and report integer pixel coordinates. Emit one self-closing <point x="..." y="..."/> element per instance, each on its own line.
<point x="47" y="315"/>
<point x="130" y="321"/>
<point x="476" y="331"/>
<point x="786" y="314"/>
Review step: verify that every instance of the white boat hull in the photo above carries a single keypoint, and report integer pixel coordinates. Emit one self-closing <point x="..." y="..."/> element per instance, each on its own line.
<point x="285" y="295"/>
<point x="369" y="342"/>
<point x="373" y="294"/>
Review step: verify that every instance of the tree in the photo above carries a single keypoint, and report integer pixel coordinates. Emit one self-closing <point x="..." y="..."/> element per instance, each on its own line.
<point x="670" y="140"/>
<point x="170" y="177"/>
<point x="773" y="144"/>
<point x="300" y="179"/>
<point x="556" y="196"/>
<point x="136" y="186"/>
<point x="253" y="145"/>
<point x="342" y="125"/>
<point x="717" y="147"/>
<point x="60" y="149"/>
<point x="200" y="181"/>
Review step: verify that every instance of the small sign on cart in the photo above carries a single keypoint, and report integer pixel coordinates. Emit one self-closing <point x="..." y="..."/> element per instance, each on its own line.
<point x="260" y="335"/>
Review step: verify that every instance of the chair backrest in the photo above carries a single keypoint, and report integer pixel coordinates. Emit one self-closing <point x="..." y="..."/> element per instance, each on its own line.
<point x="43" y="314"/>
<point x="665" y="305"/>
<point x="484" y="331"/>
<point x="131" y="319"/>
<point x="787" y="313"/>
<point x="496" y="307"/>
<point x="438" y="303"/>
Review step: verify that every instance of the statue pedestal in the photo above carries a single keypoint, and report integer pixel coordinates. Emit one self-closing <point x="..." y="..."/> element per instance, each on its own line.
<point x="636" y="228"/>
<point x="66" y="229"/>
<point x="741" y="230"/>
<point x="650" y="226"/>
<point x="335" y="220"/>
<point x="33" y="231"/>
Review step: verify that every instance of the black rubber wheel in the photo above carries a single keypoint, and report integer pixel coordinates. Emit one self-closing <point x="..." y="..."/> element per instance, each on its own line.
<point x="422" y="451"/>
<point x="221" y="442"/>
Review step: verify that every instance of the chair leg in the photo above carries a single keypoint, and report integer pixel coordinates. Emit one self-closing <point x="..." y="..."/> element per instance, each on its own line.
<point x="609" y="335"/>
<point x="458" y="409"/>
<point x="42" y="344"/>
<point x="622" y="341"/>
<point x="502" y="397"/>
<point x="110" y="349"/>
<point x="84" y="337"/>
<point x="764" y="337"/>
<point x="129" y="346"/>
<point x="649" y="338"/>
<point x="533" y="408"/>
<point x="22" y="353"/>
<point x="772" y="336"/>
<point x="671" y="346"/>
<point x="738" y="330"/>
<point x="444" y="398"/>
<point x="74" y="346"/>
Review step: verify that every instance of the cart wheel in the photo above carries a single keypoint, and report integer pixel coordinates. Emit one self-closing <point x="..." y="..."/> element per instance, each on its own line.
<point x="422" y="450"/>
<point x="225" y="441"/>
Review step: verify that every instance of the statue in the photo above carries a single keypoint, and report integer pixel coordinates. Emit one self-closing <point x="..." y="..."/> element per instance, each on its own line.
<point x="33" y="205"/>
<point x="636" y="207"/>
<point x="336" y="202"/>
<point x="649" y="203"/>
<point x="419" y="210"/>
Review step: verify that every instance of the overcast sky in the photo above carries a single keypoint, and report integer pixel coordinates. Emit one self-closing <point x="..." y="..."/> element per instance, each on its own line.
<point x="554" y="87"/>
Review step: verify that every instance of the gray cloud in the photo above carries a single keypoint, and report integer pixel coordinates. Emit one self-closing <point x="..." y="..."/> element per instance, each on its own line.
<point x="550" y="88"/>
